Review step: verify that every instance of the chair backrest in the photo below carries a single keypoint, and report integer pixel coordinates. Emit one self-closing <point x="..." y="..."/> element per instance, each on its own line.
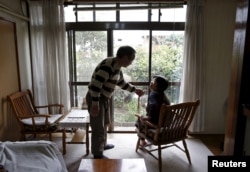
<point x="174" y="120"/>
<point x="23" y="104"/>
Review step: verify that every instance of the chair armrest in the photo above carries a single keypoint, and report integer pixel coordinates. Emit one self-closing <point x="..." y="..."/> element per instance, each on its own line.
<point x="42" y="115"/>
<point x="50" y="106"/>
<point x="36" y="115"/>
<point x="148" y="123"/>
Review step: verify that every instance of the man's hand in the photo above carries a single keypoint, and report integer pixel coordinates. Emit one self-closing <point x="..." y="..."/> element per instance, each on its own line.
<point x="139" y="92"/>
<point x="94" y="110"/>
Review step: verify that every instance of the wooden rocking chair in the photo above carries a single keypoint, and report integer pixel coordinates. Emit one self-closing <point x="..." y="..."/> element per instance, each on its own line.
<point x="29" y="118"/>
<point x="174" y="121"/>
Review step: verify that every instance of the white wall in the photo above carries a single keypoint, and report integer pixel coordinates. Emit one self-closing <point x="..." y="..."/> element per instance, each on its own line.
<point x="15" y="11"/>
<point x="219" y="21"/>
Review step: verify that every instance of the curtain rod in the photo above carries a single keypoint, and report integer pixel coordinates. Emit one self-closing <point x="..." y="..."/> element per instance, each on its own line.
<point x="124" y="8"/>
<point x="124" y="1"/>
<point x="70" y="2"/>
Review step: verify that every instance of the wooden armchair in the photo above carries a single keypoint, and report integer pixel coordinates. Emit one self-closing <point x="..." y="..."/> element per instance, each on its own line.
<point x="174" y="121"/>
<point x="29" y="118"/>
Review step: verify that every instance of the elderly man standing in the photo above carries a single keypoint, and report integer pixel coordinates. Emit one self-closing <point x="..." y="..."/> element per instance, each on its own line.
<point x="106" y="76"/>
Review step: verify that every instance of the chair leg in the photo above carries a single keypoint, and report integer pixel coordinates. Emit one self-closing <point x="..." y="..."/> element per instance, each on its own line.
<point x="137" y="144"/>
<point x="64" y="141"/>
<point x="159" y="158"/>
<point x="50" y="136"/>
<point x="186" y="151"/>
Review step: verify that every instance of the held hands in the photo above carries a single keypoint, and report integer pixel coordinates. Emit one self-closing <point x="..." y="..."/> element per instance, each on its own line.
<point x="94" y="109"/>
<point x="139" y="92"/>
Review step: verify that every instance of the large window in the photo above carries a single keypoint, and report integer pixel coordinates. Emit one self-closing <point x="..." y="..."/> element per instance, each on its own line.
<point x="97" y="31"/>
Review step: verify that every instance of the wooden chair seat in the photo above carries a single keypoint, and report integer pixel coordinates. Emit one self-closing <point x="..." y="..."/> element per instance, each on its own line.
<point x="174" y="121"/>
<point x="40" y="128"/>
<point x="41" y="120"/>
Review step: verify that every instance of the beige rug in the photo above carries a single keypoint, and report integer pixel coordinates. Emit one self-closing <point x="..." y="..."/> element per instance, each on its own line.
<point x="174" y="160"/>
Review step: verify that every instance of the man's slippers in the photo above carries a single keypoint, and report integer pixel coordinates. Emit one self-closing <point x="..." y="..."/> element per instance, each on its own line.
<point x="108" y="146"/>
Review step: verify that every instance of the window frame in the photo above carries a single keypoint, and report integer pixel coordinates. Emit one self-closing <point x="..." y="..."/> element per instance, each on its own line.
<point x="72" y="27"/>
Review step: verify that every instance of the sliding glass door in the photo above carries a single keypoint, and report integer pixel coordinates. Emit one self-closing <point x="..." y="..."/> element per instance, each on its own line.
<point x="126" y="103"/>
<point x="87" y="49"/>
<point x="157" y="52"/>
<point x="156" y="31"/>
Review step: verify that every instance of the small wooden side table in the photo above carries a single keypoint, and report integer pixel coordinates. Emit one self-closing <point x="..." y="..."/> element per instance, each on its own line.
<point x="76" y="118"/>
<point x="112" y="165"/>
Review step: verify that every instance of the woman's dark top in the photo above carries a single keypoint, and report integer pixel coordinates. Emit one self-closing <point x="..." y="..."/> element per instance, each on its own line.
<point x="155" y="100"/>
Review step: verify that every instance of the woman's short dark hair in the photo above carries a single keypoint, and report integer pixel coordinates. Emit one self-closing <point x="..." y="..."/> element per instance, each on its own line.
<point x="162" y="82"/>
<point x="125" y="51"/>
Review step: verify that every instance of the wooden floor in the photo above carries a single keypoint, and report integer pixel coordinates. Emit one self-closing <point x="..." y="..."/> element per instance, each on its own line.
<point x="214" y="142"/>
<point x="125" y="149"/>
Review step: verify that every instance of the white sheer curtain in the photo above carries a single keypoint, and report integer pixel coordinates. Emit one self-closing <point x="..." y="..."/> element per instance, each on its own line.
<point x="193" y="84"/>
<point x="49" y="60"/>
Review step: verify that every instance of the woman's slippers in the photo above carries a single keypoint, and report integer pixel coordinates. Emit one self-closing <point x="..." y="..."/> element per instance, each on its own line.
<point x="143" y="143"/>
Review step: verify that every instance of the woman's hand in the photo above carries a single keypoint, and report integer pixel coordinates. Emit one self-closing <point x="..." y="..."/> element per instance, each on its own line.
<point x="144" y="118"/>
